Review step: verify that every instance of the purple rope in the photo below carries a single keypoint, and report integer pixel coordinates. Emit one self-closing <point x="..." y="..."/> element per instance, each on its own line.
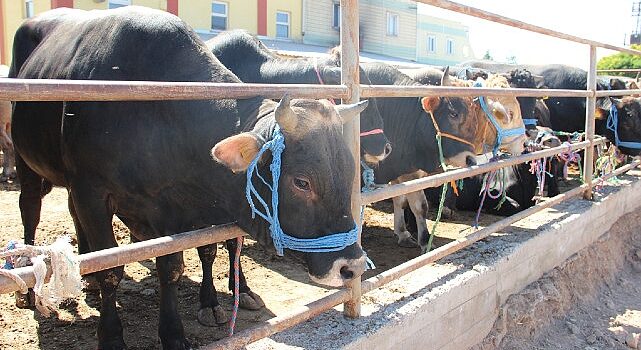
<point x="232" y="322"/>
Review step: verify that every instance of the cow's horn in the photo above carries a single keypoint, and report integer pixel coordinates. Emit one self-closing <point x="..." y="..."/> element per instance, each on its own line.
<point x="349" y="111"/>
<point x="446" y="80"/>
<point x="285" y="116"/>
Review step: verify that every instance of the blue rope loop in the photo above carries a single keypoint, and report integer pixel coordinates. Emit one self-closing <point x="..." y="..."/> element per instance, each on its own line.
<point x="8" y="264"/>
<point x="500" y="132"/>
<point x="330" y="243"/>
<point x="368" y="178"/>
<point x="530" y="122"/>
<point x="613" y="125"/>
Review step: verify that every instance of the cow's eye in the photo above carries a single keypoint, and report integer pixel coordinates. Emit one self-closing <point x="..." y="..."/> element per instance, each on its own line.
<point x="302" y="184"/>
<point x="454" y="115"/>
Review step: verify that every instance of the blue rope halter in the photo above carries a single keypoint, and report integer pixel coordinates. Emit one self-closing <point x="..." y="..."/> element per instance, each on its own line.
<point x="500" y="132"/>
<point x="613" y="125"/>
<point x="329" y="243"/>
<point x="529" y="122"/>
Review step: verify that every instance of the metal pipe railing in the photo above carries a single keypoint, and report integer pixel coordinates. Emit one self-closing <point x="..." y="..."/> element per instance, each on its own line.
<point x="590" y="109"/>
<point x="350" y="76"/>
<point x="456" y="174"/>
<point x="108" y="90"/>
<point x="449" y="91"/>
<point x="127" y="254"/>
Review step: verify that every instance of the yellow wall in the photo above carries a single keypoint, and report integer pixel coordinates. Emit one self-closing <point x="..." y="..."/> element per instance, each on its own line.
<point x="295" y="9"/>
<point x="13" y="12"/>
<point x="241" y="14"/>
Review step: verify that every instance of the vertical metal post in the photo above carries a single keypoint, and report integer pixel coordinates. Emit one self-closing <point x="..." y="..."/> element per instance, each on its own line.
<point x="590" y="108"/>
<point x="351" y="131"/>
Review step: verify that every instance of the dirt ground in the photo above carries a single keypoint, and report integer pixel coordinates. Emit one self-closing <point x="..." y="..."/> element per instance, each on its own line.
<point x="592" y="301"/>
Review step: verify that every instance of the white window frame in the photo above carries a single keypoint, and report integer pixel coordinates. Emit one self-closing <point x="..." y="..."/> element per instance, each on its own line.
<point x="432" y="38"/>
<point x="29" y="9"/>
<point x="289" y="19"/>
<point x="449" y="46"/>
<point x="118" y="3"/>
<point x="225" y="16"/>
<point x="336" y="20"/>
<point x="393" y="27"/>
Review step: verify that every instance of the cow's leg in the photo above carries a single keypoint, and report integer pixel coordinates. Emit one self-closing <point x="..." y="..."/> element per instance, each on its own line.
<point x="419" y="207"/>
<point x="32" y="189"/>
<point x="210" y="313"/>
<point x="94" y="216"/>
<point x="170" y="329"/>
<point x="405" y="239"/>
<point x="83" y="245"/>
<point x="248" y="300"/>
<point x="556" y="169"/>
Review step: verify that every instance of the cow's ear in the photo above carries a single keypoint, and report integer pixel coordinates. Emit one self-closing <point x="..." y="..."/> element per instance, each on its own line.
<point x="236" y="152"/>
<point x="430" y="103"/>
<point x="603" y="106"/>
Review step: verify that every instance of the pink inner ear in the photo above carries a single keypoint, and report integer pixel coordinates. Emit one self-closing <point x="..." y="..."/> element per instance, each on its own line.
<point x="236" y="152"/>
<point x="429" y="103"/>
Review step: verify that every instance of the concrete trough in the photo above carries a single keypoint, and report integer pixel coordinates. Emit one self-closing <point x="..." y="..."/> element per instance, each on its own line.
<point x="453" y="304"/>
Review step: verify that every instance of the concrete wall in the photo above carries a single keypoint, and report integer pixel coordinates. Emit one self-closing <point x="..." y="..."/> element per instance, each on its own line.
<point x="453" y="304"/>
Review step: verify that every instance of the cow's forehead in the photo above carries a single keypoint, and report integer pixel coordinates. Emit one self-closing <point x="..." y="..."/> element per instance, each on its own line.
<point x="314" y="115"/>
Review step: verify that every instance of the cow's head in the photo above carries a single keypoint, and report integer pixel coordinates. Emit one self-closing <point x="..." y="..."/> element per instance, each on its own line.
<point x="628" y="124"/>
<point x="507" y="112"/>
<point x="315" y="184"/>
<point x="374" y="144"/>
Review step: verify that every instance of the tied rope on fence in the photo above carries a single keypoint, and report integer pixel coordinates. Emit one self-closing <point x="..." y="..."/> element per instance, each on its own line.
<point x="234" y="314"/>
<point x="492" y="183"/>
<point x="65" y="281"/>
<point x="606" y="163"/>
<point x="569" y="156"/>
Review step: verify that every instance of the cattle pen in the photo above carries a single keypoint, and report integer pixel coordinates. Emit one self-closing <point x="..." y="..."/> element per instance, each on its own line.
<point x="350" y="92"/>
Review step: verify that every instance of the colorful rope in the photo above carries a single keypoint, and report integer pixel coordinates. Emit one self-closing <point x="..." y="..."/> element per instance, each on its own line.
<point x="234" y="314"/>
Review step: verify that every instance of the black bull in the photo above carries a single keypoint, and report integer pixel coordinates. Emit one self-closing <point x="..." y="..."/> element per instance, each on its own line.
<point x="149" y="163"/>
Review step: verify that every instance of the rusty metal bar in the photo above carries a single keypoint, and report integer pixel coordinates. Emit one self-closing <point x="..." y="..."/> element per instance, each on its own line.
<point x="281" y="323"/>
<point x="489" y="16"/>
<point x="590" y="108"/>
<point x="604" y="93"/>
<point x="443" y="91"/>
<point x="351" y="131"/>
<point x="319" y="306"/>
<point x="452" y="247"/>
<point x="107" y="90"/>
<point x="127" y="254"/>
<point x="452" y="175"/>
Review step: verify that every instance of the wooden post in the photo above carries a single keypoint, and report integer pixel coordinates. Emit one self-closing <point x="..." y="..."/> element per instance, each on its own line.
<point x="590" y="107"/>
<point x="351" y="131"/>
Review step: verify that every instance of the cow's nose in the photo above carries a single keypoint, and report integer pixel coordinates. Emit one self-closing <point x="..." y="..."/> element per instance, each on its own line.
<point x="470" y="160"/>
<point x="346" y="273"/>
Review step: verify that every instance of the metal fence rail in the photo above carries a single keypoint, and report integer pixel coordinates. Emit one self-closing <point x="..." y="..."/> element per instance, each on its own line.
<point x="349" y="91"/>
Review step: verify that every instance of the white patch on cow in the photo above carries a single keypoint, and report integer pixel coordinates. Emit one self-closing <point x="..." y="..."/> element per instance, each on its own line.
<point x="334" y="279"/>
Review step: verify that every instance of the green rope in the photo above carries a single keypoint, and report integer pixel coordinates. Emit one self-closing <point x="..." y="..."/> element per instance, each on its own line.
<point x="443" y="193"/>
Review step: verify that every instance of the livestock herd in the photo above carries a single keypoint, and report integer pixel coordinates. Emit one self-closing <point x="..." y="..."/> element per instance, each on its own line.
<point x="164" y="167"/>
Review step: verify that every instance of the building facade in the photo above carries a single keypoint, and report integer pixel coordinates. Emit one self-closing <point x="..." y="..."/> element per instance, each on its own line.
<point x="274" y="19"/>
<point x="392" y="28"/>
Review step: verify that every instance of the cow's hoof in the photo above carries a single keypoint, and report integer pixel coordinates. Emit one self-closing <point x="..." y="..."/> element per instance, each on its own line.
<point x="212" y="316"/>
<point x="250" y="301"/>
<point x="406" y="240"/>
<point x="25" y="301"/>
<point x="447" y="213"/>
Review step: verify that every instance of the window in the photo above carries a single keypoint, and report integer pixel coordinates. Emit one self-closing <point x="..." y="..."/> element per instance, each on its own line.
<point x="336" y="23"/>
<point x="282" y="25"/>
<point x="218" y="15"/>
<point x="449" y="48"/>
<point x="118" y="3"/>
<point x="28" y="8"/>
<point x="431" y="44"/>
<point x="392" y="24"/>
